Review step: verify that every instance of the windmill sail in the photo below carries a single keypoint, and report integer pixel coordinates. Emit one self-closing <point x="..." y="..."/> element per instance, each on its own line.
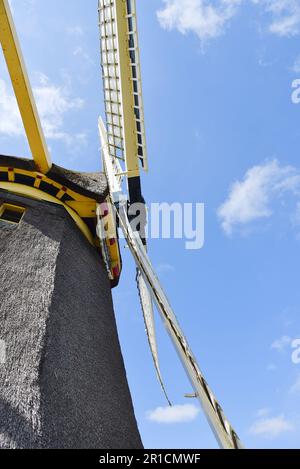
<point x="225" y="434"/>
<point x="124" y="137"/>
<point x="147" y="308"/>
<point x="122" y="84"/>
<point x="124" y="149"/>
<point x="112" y="170"/>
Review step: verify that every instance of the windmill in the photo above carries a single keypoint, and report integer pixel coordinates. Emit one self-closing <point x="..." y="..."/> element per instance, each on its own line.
<point x="60" y="256"/>
<point x="63" y="384"/>
<point x="124" y="152"/>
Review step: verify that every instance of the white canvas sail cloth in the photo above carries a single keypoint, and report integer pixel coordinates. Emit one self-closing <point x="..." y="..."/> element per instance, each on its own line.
<point x="147" y="308"/>
<point x="115" y="177"/>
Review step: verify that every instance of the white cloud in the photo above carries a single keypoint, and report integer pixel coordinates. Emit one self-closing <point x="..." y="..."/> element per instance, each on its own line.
<point x="281" y="344"/>
<point x="10" y="121"/>
<point x="285" y="16"/>
<point x="53" y="103"/>
<point x="201" y="17"/>
<point x="250" y="199"/>
<point x="174" y="414"/>
<point x="271" y="427"/>
<point x="209" y="19"/>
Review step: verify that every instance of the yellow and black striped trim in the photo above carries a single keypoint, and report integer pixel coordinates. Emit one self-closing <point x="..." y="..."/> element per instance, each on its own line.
<point x="81" y="208"/>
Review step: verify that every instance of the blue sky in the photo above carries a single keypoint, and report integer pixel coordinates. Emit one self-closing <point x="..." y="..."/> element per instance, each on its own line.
<point x="221" y="129"/>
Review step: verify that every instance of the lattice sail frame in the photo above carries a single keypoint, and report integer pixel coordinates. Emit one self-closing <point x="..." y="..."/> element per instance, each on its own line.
<point x="120" y="60"/>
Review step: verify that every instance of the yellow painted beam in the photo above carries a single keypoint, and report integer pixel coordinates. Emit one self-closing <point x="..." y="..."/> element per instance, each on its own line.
<point x="22" y="88"/>
<point x="129" y="124"/>
<point x="37" y="194"/>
